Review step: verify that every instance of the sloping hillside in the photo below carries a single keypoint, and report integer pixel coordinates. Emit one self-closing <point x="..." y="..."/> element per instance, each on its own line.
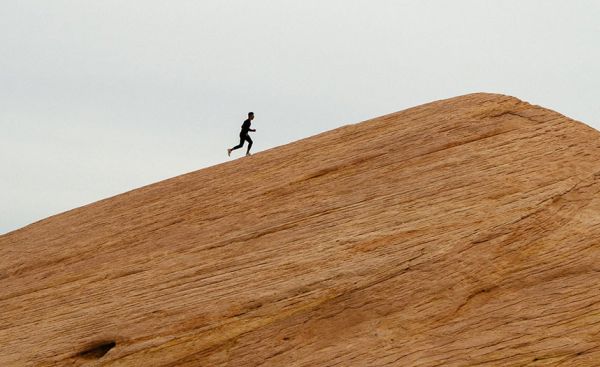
<point x="461" y="232"/>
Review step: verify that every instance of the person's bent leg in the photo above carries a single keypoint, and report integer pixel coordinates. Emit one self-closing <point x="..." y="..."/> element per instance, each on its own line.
<point x="241" y="144"/>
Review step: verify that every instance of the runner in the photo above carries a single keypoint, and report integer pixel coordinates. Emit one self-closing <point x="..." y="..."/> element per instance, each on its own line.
<point x="244" y="135"/>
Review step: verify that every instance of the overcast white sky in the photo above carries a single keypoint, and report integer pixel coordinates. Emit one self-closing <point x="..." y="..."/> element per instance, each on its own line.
<point x="100" y="97"/>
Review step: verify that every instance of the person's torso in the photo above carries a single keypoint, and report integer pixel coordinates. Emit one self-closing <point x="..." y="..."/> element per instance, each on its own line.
<point x="245" y="127"/>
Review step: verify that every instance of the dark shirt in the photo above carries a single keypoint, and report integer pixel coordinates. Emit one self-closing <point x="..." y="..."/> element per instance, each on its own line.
<point x="245" y="127"/>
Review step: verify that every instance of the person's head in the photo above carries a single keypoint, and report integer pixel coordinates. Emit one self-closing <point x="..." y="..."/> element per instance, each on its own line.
<point x="251" y="115"/>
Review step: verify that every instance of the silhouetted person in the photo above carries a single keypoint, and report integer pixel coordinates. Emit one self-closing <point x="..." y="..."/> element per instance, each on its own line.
<point x="244" y="135"/>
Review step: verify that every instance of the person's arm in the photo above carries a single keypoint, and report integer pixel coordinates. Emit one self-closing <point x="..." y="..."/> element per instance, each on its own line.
<point x="253" y="130"/>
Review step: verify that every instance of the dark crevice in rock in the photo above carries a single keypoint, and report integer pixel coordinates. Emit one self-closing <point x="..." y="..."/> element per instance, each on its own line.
<point x="97" y="350"/>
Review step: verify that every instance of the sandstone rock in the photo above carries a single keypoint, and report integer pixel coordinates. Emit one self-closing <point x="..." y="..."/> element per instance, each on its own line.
<point x="462" y="232"/>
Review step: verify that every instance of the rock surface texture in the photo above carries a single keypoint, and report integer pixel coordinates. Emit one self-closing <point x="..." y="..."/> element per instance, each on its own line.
<point x="464" y="232"/>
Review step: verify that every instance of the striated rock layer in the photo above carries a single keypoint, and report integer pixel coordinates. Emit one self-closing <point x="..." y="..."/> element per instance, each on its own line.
<point x="458" y="233"/>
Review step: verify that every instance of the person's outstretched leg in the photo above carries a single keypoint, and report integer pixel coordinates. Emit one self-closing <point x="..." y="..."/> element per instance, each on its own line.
<point x="241" y="144"/>
<point x="249" y="144"/>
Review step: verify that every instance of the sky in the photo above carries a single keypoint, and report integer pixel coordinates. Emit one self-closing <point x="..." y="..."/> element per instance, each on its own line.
<point x="101" y="97"/>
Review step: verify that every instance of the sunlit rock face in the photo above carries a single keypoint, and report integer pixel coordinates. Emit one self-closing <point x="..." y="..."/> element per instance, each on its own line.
<point x="461" y="232"/>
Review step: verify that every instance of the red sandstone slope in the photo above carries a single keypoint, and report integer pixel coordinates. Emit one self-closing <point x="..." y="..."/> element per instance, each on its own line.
<point x="461" y="232"/>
